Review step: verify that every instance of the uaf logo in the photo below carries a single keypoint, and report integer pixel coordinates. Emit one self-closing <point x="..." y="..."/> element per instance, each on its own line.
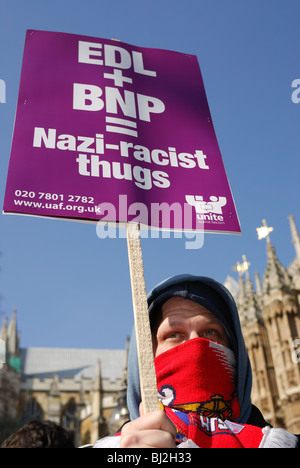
<point x="207" y="210"/>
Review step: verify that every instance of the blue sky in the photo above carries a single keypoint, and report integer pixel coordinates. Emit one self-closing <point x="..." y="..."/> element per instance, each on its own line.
<point x="72" y="289"/>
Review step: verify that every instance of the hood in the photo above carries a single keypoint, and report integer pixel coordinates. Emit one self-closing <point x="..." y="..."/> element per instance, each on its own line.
<point x="216" y="298"/>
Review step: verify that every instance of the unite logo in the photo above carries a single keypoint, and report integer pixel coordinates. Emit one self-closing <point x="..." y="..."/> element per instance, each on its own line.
<point x="211" y="210"/>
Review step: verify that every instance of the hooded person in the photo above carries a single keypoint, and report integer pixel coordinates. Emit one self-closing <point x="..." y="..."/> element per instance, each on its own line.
<point x="204" y="386"/>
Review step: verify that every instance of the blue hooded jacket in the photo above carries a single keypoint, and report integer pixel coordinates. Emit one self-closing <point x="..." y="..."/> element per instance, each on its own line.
<point x="216" y="298"/>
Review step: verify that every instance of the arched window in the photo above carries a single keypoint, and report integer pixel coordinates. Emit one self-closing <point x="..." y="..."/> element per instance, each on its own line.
<point x="32" y="410"/>
<point x="69" y="416"/>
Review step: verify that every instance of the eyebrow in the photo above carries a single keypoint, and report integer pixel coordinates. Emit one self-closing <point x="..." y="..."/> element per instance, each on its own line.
<point x="175" y="321"/>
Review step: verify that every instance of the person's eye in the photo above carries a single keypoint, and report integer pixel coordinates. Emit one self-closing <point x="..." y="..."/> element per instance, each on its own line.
<point x="172" y="335"/>
<point x="210" y="333"/>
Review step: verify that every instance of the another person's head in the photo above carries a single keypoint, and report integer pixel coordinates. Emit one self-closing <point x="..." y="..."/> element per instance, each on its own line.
<point x="39" y="434"/>
<point x="186" y="307"/>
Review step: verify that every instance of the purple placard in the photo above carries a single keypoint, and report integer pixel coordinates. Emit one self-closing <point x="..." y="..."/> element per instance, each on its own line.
<point x="109" y="131"/>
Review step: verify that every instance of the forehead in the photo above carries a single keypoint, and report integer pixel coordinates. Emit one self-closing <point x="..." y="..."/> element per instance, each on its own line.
<point x="180" y="307"/>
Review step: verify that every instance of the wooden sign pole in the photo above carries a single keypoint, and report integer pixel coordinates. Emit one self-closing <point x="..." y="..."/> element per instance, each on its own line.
<point x="141" y="320"/>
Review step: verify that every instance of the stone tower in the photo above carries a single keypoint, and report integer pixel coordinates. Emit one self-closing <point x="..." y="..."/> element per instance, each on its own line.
<point x="264" y="389"/>
<point x="270" y="319"/>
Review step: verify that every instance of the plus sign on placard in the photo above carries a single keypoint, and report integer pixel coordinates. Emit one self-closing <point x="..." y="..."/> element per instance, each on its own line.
<point x="118" y="78"/>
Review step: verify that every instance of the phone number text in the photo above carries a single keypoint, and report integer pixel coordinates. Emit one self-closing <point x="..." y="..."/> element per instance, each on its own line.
<point x="54" y="196"/>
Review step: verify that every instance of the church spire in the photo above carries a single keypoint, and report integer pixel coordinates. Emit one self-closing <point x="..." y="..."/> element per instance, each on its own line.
<point x="254" y="313"/>
<point x="258" y="284"/>
<point x="241" y="294"/>
<point x="12" y="336"/>
<point x="295" y="236"/>
<point x="3" y="331"/>
<point x="276" y="277"/>
<point x="247" y="301"/>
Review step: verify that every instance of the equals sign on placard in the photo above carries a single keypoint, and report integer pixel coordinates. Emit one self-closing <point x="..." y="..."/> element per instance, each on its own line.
<point x="121" y="126"/>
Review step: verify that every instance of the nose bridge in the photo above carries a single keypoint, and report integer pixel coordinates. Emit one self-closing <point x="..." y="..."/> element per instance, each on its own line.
<point x="195" y="327"/>
<point x="194" y="333"/>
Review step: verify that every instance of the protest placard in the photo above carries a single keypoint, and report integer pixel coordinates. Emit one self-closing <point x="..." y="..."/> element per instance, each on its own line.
<point x="107" y="131"/>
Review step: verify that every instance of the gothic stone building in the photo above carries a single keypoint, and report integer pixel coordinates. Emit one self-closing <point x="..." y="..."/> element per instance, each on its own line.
<point x="80" y="389"/>
<point x="83" y="390"/>
<point x="270" y="319"/>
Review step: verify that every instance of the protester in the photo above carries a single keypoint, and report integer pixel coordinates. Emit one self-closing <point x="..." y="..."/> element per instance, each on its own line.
<point x="39" y="434"/>
<point x="203" y="375"/>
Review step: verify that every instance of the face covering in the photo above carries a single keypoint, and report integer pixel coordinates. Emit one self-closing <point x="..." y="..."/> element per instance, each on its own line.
<point x="212" y="295"/>
<point x="196" y="386"/>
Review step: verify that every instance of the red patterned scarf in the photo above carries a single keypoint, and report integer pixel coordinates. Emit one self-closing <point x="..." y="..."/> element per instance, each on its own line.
<point x="196" y="384"/>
